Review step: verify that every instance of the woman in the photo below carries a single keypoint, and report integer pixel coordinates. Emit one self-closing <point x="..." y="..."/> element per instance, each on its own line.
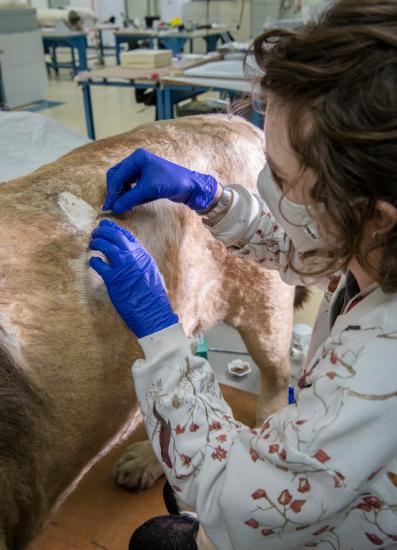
<point x="322" y="472"/>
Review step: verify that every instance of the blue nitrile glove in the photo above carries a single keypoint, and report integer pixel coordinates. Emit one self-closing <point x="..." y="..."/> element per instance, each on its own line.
<point x="156" y="178"/>
<point x="132" y="279"/>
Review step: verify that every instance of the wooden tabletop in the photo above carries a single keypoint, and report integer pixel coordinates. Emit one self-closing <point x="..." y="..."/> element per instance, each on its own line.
<point x="166" y="33"/>
<point x="64" y="34"/>
<point x="235" y="85"/>
<point x="135" y="32"/>
<point x="105" y="27"/>
<point x="143" y="74"/>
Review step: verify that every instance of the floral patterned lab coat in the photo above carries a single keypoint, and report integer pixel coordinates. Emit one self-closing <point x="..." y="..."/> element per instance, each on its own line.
<point x="321" y="473"/>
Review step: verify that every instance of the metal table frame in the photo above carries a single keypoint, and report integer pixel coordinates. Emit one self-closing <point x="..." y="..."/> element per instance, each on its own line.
<point x="100" y="29"/>
<point x="178" y="95"/>
<point x="172" y="94"/>
<point x="88" y="111"/>
<point x="3" y="103"/>
<point x="134" y="37"/>
<point x="142" y="79"/>
<point x="175" y="43"/>
<point x="78" y="42"/>
<point x="212" y="41"/>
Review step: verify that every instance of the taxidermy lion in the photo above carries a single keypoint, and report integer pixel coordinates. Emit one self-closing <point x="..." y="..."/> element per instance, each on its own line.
<point x="66" y="389"/>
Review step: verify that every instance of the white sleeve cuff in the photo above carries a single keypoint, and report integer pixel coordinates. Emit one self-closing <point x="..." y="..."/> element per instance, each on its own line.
<point x="241" y="220"/>
<point x="159" y="342"/>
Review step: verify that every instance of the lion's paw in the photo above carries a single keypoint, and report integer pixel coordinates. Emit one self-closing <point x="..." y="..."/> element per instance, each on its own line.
<point x="138" y="467"/>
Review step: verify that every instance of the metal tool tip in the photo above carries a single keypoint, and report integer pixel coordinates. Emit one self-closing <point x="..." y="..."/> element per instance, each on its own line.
<point x="105" y="213"/>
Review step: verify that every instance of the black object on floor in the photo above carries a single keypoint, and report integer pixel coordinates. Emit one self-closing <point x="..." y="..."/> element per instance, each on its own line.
<point x="170" y="500"/>
<point x="173" y="532"/>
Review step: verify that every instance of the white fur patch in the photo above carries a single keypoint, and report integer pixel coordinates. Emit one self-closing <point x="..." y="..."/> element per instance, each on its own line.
<point x="79" y="213"/>
<point x="88" y="283"/>
<point x="8" y="334"/>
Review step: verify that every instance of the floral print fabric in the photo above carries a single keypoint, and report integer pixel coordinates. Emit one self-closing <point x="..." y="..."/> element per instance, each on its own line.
<point x="321" y="473"/>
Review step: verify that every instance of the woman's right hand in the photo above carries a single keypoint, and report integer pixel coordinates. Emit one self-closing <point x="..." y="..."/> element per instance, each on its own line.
<point x="143" y="177"/>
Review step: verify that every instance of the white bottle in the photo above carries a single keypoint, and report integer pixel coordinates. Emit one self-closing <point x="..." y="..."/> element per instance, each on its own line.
<point x="301" y="336"/>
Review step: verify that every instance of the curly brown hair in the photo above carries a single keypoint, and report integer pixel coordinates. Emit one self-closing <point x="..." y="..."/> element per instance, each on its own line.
<point x="342" y="70"/>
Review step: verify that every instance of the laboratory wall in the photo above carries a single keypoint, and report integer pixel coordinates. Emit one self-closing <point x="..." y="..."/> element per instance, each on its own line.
<point x="39" y="4"/>
<point x="262" y="11"/>
<point x="169" y="9"/>
<point x="220" y="11"/>
<point x="56" y="4"/>
<point x="251" y="19"/>
<point x="84" y="4"/>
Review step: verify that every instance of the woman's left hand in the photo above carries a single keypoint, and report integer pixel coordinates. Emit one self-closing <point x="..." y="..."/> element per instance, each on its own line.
<point x="133" y="281"/>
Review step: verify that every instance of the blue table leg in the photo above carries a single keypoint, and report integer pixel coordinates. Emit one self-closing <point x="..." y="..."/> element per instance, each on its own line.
<point x="89" y="119"/>
<point x="81" y="45"/>
<point x="159" y="104"/>
<point x="74" y="60"/>
<point x="54" y="59"/>
<point x="3" y="103"/>
<point x="179" y="45"/>
<point x="168" y="106"/>
<point x="211" y="42"/>
<point x="118" y="42"/>
<point x="101" y="48"/>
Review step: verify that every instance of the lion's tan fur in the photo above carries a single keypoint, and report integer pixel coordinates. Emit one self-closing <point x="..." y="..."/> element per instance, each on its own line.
<point x="65" y="387"/>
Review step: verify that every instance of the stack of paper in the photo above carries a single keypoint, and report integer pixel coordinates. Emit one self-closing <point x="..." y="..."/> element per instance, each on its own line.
<point x="146" y="59"/>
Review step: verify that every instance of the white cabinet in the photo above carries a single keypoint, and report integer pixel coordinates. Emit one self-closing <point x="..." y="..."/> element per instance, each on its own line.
<point x="22" y="61"/>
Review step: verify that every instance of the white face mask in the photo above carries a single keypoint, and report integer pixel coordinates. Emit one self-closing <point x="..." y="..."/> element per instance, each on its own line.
<point x="294" y="218"/>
